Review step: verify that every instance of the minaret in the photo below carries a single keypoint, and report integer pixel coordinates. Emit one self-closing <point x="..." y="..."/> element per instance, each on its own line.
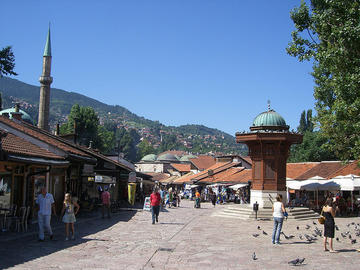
<point x="45" y="81"/>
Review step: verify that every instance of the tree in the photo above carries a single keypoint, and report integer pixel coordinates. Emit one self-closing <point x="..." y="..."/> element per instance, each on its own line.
<point x="328" y="33"/>
<point x="144" y="148"/>
<point x="306" y="122"/>
<point x="128" y="147"/>
<point x="7" y="62"/>
<point x="313" y="148"/>
<point x="86" y="127"/>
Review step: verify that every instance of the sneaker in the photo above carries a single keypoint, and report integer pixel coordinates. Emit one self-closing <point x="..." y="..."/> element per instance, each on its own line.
<point x="66" y="238"/>
<point x="277" y="243"/>
<point x="157" y="220"/>
<point x="153" y="222"/>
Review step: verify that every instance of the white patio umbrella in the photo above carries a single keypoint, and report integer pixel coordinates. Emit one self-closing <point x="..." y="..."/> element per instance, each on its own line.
<point x="237" y="186"/>
<point x="348" y="182"/>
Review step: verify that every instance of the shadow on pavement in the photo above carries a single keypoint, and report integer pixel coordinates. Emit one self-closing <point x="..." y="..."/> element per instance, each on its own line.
<point x="346" y="250"/>
<point x="15" y="252"/>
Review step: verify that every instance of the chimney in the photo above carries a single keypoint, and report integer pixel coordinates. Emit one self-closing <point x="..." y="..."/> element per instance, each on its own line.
<point x="17" y="107"/>
<point x="16" y="114"/>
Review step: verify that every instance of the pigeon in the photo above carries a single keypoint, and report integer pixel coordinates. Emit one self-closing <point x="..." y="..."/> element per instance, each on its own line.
<point x="294" y="262"/>
<point x="300" y="236"/>
<point x="265" y="233"/>
<point x="352" y="223"/>
<point x="314" y="222"/>
<point x="259" y="228"/>
<point x="343" y="235"/>
<point x="286" y="237"/>
<point x="297" y="227"/>
<point x="353" y="241"/>
<point x="254" y="256"/>
<point x="307" y="227"/>
<point x="255" y="235"/>
<point x="336" y="227"/>
<point x="350" y="236"/>
<point x="301" y="260"/>
<point x="309" y="238"/>
<point x="337" y="239"/>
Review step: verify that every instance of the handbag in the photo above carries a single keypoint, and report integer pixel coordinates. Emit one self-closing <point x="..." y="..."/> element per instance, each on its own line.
<point x="321" y="219"/>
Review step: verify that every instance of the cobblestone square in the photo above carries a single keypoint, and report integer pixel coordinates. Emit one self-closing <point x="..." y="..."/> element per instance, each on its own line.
<point x="184" y="238"/>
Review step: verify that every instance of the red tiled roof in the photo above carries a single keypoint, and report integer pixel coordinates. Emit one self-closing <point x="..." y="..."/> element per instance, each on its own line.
<point x="226" y="175"/>
<point x="158" y="176"/>
<point x="16" y="145"/>
<point x="184" y="179"/>
<point x="203" y="162"/>
<point x="41" y="135"/>
<point x="323" y="169"/>
<point x="293" y="170"/>
<point x="241" y="177"/>
<point x="351" y="168"/>
<point x="181" y="167"/>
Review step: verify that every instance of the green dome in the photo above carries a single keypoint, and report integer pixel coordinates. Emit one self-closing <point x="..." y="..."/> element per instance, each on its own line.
<point x="187" y="157"/>
<point x="269" y="120"/>
<point x="167" y="157"/>
<point x="26" y="117"/>
<point x="150" y="157"/>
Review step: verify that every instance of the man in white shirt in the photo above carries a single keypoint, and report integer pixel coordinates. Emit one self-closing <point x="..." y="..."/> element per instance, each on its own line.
<point x="45" y="202"/>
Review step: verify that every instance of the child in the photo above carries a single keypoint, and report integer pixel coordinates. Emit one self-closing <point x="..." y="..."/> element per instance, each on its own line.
<point x="69" y="216"/>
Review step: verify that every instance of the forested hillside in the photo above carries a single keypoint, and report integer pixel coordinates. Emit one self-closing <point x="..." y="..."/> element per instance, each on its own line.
<point x="192" y="138"/>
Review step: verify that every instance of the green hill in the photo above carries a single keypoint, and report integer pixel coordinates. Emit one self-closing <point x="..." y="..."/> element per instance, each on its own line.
<point x="194" y="138"/>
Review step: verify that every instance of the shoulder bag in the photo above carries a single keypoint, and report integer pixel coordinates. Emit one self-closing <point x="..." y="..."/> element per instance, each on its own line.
<point x="321" y="219"/>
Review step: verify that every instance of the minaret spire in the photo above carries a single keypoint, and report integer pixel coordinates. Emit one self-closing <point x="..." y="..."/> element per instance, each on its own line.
<point x="47" y="50"/>
<point x="45" y="81"/>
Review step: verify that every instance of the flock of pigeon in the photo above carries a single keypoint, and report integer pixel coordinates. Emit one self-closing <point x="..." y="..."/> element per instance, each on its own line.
<point x="313" y="235"/>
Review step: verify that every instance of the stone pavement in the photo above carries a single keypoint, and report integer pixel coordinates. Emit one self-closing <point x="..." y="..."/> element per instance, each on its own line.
<point x="184" y="238"/>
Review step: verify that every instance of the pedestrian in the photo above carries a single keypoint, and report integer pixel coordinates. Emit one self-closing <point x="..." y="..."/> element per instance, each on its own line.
<point x="167" y="199"/>
<point x="105" y="198"/>
<point x="278" y="215"/>
<point x="162" y="195"/>
<point x="213" y="197"/>
<point x="68" y="213"/>
<point x="197" y="199"/>
<point x="328" y="211"/>
<point x="178" y="199"/>
<point x="45" y="203"/>
<point x="155" y="200"/>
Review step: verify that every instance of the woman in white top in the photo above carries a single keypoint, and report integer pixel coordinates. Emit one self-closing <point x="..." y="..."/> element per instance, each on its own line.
<point x="278" y="215"/>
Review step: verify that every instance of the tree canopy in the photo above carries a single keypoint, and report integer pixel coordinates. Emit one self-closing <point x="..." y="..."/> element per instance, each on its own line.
<point x="327" y="32"/>
<point x="7" y="62"/>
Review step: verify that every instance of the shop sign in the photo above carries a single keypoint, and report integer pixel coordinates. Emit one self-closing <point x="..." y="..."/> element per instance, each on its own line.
<point x="98" y="179"/>
<point x="91" y="179"/>
<point x="132" y="177"/>
<point x="147" y="206"/>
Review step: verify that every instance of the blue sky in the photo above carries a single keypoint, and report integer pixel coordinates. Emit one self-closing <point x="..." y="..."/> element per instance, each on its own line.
<point x="210" y="62"/>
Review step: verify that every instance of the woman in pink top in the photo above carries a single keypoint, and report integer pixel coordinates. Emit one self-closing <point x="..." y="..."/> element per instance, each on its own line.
<point x="105" y="197"/>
